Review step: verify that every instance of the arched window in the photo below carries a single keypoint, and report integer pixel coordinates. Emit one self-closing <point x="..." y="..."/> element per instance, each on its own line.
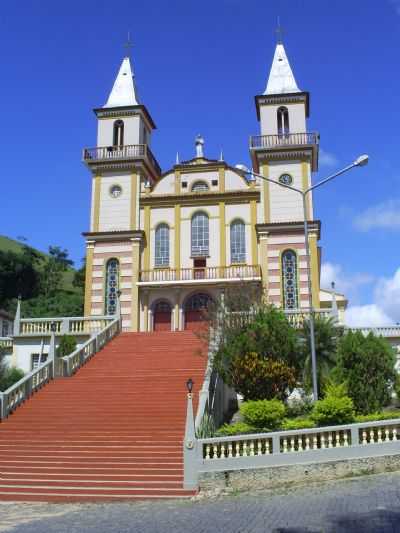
<point x="199" y="186"/>
<point x="238" y="242"/>
<point x="289" y="280"/>
<point x="112" y="285"/>
<point x="283" y="121"/>
<point x="200" y="235"/>
<point x="118" y="138"/>
<point x="161" y="252"/>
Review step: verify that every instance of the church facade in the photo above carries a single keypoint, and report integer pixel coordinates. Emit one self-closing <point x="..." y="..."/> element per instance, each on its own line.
<point x="167" y="242"/>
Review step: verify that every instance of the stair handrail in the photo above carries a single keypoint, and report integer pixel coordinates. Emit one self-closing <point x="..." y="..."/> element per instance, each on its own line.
<point x="20" y="391"/>
<point x="80" y="356"/>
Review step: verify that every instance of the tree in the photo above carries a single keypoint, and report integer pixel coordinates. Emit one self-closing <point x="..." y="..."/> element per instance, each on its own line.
<point x="54" y="267"/>
<point x="19" y="275"/>
<point x="80" y="276"/>
<point x="327" y="334"/>
<point x="66" y="346"/>
<point x="366" y="364"/>
<point x="257" y="353"/>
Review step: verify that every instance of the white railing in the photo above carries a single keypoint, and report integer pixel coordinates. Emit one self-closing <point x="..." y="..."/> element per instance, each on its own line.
<point x="81" y="355"/>
<point x="25" y="387"/>
<point x="284" y="139"/>
<point x="63" y="325"/>
<point x="384" y="331"/>
<point x="288" y="447"/>
<point x="296" y="317"/>
<point x="6" y="342"/>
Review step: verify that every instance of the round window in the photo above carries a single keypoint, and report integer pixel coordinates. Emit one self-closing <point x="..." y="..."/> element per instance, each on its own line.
<point x="286" y="179"/>
<point x="115" y="191"/>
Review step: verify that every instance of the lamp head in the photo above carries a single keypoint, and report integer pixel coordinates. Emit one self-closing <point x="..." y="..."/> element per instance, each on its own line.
<point x="243" y="169"/>
<point x="361" y="161"/>
<point x="189" y="385"/>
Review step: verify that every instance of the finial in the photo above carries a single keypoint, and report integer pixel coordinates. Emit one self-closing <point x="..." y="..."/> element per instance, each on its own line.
<point x="279" y="31"/>
<point x="333" y="285"/>
<point x="128" y="45"/>
<point x="199" y="143"/>
<point x="221" y="155"/>
<point x="177" y="158"/>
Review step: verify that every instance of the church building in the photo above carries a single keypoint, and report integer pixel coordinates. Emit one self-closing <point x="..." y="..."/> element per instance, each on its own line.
<point x="166" y="242"/>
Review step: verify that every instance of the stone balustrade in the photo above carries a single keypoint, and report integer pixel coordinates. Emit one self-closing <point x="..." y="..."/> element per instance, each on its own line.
<point x="64" y="325"/>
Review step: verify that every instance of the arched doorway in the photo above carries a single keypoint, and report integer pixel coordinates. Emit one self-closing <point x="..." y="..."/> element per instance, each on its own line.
<point x="195" y="308"/>
<point x="162" y="313"/>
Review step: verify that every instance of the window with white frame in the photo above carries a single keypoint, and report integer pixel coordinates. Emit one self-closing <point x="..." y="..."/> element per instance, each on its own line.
<point x="112" y="286"/>
<point x="238" y="242"/>
<point x="283" y="121"/>
<point x="161" y="252"/>
<point x="118" y="134"/>
<point x="200" y="186"/>
<point x="200" y="235"/>
<point x="289" y="280"/>
<point x="38" y="359"/>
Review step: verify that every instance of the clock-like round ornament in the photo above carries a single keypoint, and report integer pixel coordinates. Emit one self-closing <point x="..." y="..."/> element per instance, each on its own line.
<point x="286" y="179"/>
<point x="115" y="191"/>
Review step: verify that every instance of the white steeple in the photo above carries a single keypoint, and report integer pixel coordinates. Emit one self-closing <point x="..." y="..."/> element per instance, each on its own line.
<point x="281" y="79"/>
<point x="124" y="92"/>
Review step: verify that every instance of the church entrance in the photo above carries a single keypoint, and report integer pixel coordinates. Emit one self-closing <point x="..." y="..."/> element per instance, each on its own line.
<point x="195" y="309"/>
<point x="162" y="314"/>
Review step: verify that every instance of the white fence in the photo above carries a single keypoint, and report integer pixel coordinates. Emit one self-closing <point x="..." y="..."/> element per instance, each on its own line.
<point x="64" y="325"/>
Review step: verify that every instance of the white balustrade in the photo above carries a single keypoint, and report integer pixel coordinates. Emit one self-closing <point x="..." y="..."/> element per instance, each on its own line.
<point x="64" y="325"/>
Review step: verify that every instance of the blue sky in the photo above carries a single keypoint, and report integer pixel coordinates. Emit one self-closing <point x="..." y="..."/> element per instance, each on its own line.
<point x="198" y="66"/>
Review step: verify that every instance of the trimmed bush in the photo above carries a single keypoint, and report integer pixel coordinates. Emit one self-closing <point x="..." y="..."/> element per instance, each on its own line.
<point x="240" y="428"/>
<point x="386" y="415"/>
<point x="333" y="410"/>
<point x="366" y="364"/>
<point x="263" y="413"/>
<point x="297" y="423"/>
<point x="11" y="376"/>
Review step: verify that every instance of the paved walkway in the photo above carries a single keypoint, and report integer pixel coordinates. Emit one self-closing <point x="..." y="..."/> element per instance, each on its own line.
<point x="369" y="504"/>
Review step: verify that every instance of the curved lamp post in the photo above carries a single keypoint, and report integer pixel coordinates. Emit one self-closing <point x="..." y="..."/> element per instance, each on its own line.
<point x="359" y="162"/>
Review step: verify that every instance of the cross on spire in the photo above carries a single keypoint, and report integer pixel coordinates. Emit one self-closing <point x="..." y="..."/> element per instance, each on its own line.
<point x="279" y="31"/>
<point x="128" y="45"/>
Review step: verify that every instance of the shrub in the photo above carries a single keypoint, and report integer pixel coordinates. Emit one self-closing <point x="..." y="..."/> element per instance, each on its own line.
<point x="259" y="358"/>
<point x="386" y="415"/>
<point x="333" y="410"/>
<point x="257" y="378"/>
<point x="240" y="428"/>
<point x="366" y="364"/>
<point x="263" y="413"/>
<point x="66" y="346"/>
<point x="206" y="428"/>
<point x="297" y="423"/>
<point x="296" y="407"/>
<point x="10" y="376"/>
<point x="397" y="388"/>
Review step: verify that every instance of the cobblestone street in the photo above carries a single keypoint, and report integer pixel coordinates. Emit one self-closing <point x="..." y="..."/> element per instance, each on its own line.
<point x="367" y="504"/>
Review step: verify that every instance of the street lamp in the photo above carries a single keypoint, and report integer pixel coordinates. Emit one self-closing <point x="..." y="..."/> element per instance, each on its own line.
<point x="361" y="161"/>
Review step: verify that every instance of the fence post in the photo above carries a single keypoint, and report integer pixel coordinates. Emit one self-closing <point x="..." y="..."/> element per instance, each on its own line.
<point x="65" y="325"/>
<point x="17" y="319"/>
<point x="190" y="446"/>
<point x="2" y="406"/>
<point x="355" y="438"/>
<point x="276" y="444"/>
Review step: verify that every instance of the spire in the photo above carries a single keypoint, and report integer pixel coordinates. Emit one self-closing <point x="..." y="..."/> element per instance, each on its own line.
<point x="199" y="143"/>
<point x="281" y="79"/>
<point x="124" y="90"/>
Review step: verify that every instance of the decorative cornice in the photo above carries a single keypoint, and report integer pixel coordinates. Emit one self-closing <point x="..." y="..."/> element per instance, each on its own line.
<point x="200" y="198"/>
<point x="275" y="228"/>
<point x="287" y="98"/>
<point x="132" y="110"/>
<point x="113" y="236"/>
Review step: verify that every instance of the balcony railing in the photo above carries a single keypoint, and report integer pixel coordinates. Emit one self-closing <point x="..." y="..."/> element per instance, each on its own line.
<point x="284" y="139"/>
<point x="120" y="153"/>
<point x="236" y="272"/>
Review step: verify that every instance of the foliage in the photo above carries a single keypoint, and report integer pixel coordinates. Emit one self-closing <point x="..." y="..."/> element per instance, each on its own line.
<point x="257" y="378"/>
<point x="240" y="428"/>
<point x="292" y="424"/>
<point x="327" y="334"/>
<point x="18" y="275"/>
<point x="366" y="364"/>
<point x="385" y="415"/>
<point x="263" y="413"/>
<point x="55" y="265"/>
<point x="80" y="276"/>
<point x="257" y="353"/>
<point x="62" y="303"/>
<point x="9" y="377"/>
<point x="397" y="388"/>
<point x="206" y="428"/>
<point x="333" y="410"/>
<point x="298" y="406"/>
<point x="66" y="346"/>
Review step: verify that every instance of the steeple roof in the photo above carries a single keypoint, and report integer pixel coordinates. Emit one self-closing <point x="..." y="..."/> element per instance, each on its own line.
<point x="281" y="79"/>
<point x="124" y="91"/>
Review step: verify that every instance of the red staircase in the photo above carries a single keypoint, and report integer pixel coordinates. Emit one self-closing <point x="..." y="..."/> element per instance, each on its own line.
<point x="112" y="431"/>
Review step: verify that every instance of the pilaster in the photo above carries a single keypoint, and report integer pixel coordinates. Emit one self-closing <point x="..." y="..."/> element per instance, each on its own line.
<point x="96" y="207"/>
<point x="88" y="278"/>
<point x="265" y="193"/>
<point x="135" y="289"/>
<point x="314" y="270"/>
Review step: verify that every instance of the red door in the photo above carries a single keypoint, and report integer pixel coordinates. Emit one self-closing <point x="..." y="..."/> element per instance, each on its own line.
<point x="162" y="317"/>
<point x="195" y="310"/>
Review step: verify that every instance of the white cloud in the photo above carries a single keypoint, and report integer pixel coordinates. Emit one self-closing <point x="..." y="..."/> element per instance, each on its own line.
<point x="343" y="282"/>
<point x="366" y="316"/>
<point x="327" y="159"/>
<point x="384" y="309"/>
<point x="383" y="215"/>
